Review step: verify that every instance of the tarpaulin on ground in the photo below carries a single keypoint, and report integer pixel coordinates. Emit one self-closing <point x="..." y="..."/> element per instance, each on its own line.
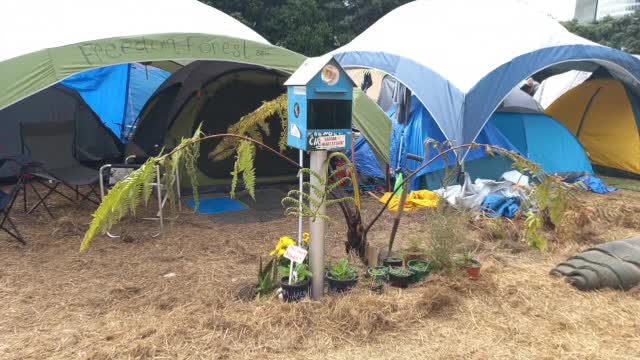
<point x="415" y="201"/>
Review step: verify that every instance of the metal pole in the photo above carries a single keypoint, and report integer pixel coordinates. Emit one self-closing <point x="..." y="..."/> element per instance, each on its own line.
<point x="316" y="249"/>
<point x="301" y="185"/>
<point x="300" y="220"/>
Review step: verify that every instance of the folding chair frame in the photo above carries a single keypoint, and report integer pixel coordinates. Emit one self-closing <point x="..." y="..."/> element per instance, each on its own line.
<point x="51" y="189"/>
<point x="6" y="219"/>
<point x="162" y="200"/>
<point x="6" y="224"/>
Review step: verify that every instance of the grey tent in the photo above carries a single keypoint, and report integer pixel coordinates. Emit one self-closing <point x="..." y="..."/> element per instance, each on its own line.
<point x="215" y="94"/>
<point x="57" y="104"/>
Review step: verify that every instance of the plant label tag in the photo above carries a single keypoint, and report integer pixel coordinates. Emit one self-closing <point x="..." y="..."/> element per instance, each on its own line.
<point x="295" y="254"/>
<point x="332" y="142"/>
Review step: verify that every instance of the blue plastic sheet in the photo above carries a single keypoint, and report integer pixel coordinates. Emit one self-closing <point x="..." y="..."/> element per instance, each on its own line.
<point x="497" y="205"/>
<point x="365" y="160"/>
<point x="595" y="185"/>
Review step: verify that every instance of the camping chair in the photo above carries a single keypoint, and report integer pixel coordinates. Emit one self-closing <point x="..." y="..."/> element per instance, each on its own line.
<point x="6" y="204"/>
<point x="110" y="174"/>
<point x="55" y="165"/>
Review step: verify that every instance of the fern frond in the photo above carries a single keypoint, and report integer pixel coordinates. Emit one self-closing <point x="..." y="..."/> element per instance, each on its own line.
<point x="255" y="125"/>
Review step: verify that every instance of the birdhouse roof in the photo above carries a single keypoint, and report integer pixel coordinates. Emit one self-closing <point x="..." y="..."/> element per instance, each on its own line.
<point x="310" y="68"/>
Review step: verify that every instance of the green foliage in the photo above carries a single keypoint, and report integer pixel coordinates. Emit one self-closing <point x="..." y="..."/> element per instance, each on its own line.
<point x="400" y="272"/>
<point x="446" y="231"/>
<point x="245" y="158"/>
<point x="533" y="231"/>
<point x="301" y="273"/>
<point x="468" y="259"/>
<point x="621" y="32"/>
<point x="343" y="271"/>
<point x="267" y="277"/>
<point x="416" y="247"/>
<point x="314" y="196"/>
<point x="551" y="197"/>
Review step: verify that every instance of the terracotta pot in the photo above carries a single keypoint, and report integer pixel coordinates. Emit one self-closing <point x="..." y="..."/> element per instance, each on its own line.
<point x="473" y="270"/>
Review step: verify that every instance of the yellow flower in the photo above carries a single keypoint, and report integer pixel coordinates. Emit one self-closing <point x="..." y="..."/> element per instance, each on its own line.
<point x="282" y="246"/>
<point x="306" y="238"/>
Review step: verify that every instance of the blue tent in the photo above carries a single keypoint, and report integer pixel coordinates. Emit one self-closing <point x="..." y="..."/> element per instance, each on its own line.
<point x="533" y="135"/>
<point x="544" y="141"/>
<point x="118" y="93"/>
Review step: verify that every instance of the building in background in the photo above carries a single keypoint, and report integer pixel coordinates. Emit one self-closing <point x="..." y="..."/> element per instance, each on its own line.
<point x="591" y="10"/>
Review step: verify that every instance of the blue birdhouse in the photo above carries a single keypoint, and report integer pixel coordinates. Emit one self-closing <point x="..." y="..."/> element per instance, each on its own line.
<point x="320" y="106"/>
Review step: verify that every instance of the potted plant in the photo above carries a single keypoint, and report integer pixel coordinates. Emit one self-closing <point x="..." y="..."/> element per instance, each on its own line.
<point x="379" y="273"/>
<point x="471" y="265"/>
<point x="400" y="277"/>
<point x="342" y="277"/>
<point x="299" y="287"/>
<point x="392" y="262"/>
<point x="420" y="269"/>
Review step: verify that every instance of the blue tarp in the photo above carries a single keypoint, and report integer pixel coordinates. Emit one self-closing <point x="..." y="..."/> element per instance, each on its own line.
<point x="365" y="160"/>
<point x="498" y="205"/>
<point x="596" y="185"/>
<point x="118" y="93"/>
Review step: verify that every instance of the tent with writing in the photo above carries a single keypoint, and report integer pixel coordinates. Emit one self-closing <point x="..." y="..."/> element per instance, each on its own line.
<point x="167" y="34"/>
<point x="460" y="59"/>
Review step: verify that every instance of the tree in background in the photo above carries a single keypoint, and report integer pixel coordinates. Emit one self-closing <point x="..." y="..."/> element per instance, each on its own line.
<point x="621" y="33"/>
<point x="310" y="27"/>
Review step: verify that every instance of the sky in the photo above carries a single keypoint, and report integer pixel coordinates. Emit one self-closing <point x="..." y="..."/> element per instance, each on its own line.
<point x="560" y="9"/>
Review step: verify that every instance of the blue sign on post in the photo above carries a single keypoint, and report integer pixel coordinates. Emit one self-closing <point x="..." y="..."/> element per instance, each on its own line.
<point x="320" y="106"/>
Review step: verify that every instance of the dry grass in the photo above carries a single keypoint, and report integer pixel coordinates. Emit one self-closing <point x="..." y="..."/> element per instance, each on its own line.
<point x="122" y="301"/>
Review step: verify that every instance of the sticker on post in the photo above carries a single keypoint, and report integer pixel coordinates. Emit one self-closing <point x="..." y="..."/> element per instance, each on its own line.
<point x="295" y="132"/>
<point x="295" y="254"/>
<point x="332" y="142"/>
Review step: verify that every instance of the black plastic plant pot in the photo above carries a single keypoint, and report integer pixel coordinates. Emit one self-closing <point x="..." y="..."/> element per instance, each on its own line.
<point x="379" y="273"/>
<point x="392" y="262"/>
<point x="420" y="269"/>
<point x="294" y="292"/>
<point x="400" y="280"/>
<point x="337" y="286"/>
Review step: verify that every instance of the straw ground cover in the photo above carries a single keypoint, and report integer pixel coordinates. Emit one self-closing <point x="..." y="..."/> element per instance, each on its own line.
<point x="181" y="295"/>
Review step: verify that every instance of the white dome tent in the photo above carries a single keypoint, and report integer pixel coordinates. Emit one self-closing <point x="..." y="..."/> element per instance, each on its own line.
<point x="92" y="34"/>
<point x="462" y="58"/>
<point x="46" y="42"/>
